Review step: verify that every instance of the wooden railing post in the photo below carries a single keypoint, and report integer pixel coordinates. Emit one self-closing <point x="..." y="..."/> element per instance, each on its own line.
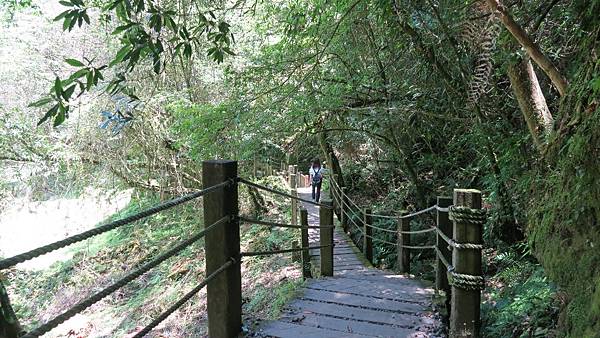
<point x="445" y="226"/>
<point x="293" y="192"/>
<point x="224" y="293"/>
<point x="368" y="237"/>
<point x="326" y="238"/>
<point x="465" y="301"/>
<point x="306" y="273"/>
<point x="403" y="239"/>
<point x="9" y="323"/>
<point x="295" y="254"/>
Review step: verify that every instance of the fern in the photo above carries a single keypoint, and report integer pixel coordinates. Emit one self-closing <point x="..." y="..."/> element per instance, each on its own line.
<point x="479" y="37"/>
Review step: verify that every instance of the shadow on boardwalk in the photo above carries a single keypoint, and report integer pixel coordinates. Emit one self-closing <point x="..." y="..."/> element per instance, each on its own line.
<point x="358" y="301"/>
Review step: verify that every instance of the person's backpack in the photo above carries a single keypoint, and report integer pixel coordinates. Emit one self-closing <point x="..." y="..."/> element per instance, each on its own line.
<point x="317" y="177"/>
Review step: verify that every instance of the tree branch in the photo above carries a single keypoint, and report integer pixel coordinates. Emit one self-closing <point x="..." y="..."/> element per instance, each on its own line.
<point x="530" y="46"/>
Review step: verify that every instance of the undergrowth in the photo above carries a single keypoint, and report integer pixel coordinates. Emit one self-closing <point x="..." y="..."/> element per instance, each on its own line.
<point x="519" y="300"/>
<point x="268" y="282"/>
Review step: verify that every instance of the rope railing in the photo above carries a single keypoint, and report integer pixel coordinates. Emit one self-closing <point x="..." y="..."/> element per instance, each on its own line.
<point x="346" y="201"/>
<point x="224" y="236"/>
<point x="446" y="239"/>
<point x="423" y="247"/>
<point x="469" y="217"/>
<point x="379" y="240"/>
<point x="433" y="207"/>
<point x="275" y="252"/>
<point x="280" y="193"/>
<point x="9" y="262"/>
<point x="350" y="207"/>
<point x="183" y="299"/>
<point x="396" y="217"/>
<point x="84" y="304"/>
<point x="443" y="259"/>
<point x="415" y="232"/>
<point x="453" y="244"/>
<point x="283" y="225"/>
<point x="412" y="232"/>
<point x="352" y="220"/>
<point x="352" y="202"/>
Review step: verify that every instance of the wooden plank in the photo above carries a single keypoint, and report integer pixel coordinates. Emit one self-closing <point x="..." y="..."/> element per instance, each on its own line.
<point x="342" y="254"/>
<point x="356" y="313"/>
<point x="395" y="292"/>
<point x="290" y="330"/>
<point x="391" y="281"/>
<point x="348" y="261"/>
<point x="344" y="326"/>
<point x="344" y="250"/>
<point x="360" y="300"/>
<point x="359" y="267"/>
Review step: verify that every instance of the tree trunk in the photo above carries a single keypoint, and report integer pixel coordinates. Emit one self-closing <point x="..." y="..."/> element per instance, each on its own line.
<point x="509" y="231"/>
<point x="334" y="164"/>
<point x="531" y="101"/>
<point x="529" y="45"/>
<point x="258" y="202"/>
<point x="331" y="158"/>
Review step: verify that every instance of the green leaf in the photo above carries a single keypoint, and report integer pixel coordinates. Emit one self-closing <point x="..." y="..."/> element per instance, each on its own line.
<point x="228" y="51"/>
<point x="187" y="50"/>
<point x="75" y="63"/>
<point x="51" y="112"/>
<point x="114" y="4"/>
<point x="40" y="102"/>
<point x="155" y="22"/>
<point x="121" y="54"/>
<point x="171" y="23"/>
<point x="123" y="28"/>
<point x="60" y="117"/>
<point x="66" y="3"/>
<point x="223" y="27"/>
<point x="72" y="23"/>
<point x="67" y="23"/>
<point x="96" y="77"/>
<point x="89" y="77"/>
<point x="86" y="17"/>
<point x="79" y="74"/>
<point x="62" y="15"/>
<point x="57" y="87"/>
<point x="69" y="92"/>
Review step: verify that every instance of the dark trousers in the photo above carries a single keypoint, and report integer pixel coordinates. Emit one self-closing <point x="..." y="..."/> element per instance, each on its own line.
<point x="317" y="187"/>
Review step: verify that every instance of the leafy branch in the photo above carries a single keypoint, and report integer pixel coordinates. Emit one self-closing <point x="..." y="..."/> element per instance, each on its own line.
<point x="146" y="30"/>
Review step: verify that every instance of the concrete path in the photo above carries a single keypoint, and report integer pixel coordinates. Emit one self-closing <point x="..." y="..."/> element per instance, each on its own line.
<point x="359" y="301"/>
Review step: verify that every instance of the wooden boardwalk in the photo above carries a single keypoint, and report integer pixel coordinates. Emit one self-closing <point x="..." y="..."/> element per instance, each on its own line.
<point x="358" y="301"/>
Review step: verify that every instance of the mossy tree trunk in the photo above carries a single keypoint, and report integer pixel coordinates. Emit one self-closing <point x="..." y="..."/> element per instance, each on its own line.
<point x="531" y="101"/>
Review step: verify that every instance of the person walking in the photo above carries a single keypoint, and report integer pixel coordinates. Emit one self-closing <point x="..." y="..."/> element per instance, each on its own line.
<point x="316" y="179"/>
